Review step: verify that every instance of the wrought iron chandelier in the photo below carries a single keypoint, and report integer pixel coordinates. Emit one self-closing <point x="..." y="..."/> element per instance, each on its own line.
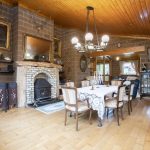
<point x="89" y="45"/>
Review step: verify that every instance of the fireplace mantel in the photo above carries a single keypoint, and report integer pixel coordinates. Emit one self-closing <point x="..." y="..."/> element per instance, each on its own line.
<point x="38" y="64"/>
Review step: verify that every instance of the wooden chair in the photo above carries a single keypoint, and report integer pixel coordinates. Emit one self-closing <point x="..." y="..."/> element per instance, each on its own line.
<point x="116" y="103"/>
<point x="116" y="82"/>
<point x="128" y="97"/>
<point x="70" y="84"/>
<point x="85" y="83"/>
<point x="72" y="104"/>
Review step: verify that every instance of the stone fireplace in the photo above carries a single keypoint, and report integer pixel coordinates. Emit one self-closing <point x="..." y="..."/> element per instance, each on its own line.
<point x="28" y="72"/>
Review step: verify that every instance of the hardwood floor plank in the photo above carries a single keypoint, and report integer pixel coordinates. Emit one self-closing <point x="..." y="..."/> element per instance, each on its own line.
<point x="28" y="129"/>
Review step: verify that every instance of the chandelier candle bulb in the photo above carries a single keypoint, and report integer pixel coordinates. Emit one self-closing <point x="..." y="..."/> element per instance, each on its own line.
<point x="74" y="40"/>
<point x="105" y="38"/>
<point x="89" y="36"/>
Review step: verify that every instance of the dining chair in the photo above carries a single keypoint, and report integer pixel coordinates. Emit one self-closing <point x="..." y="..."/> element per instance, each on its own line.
<point x="70" y="84"/>
<point x="73" y="104"/>
<point x="128" y="97"/>
<point x="85" y="83"/>
<point x="116" y="103"/>
<point x="116" y="82"/>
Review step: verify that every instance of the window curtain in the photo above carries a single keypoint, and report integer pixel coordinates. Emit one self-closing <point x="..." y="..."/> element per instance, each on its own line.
<point x="134" y="65"/>
<point x="121" y="63"/>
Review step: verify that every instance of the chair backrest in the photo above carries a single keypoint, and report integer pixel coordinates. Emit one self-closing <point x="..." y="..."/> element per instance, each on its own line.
<point x="69" y="95"/>
<point x="131" y="89"/>
<point x="116" y="82"/>
<point x="85" y="83"/>
<point x="126" y="83"/>
<point x="121" y="93"/>
<point x="70" y="84"/>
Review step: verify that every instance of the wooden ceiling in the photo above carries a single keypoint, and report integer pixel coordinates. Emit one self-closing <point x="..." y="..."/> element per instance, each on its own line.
<point x="117" y="17"/>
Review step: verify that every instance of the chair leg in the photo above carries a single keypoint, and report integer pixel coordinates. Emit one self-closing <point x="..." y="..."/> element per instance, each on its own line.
<point x="121" y="113"/>
<point x="76" y="121"/>
<point x="114" y="112"/>
<point x="70" y="114"/>
<point x="128" y="107"/>
<point x="117" y="116"/>
<point x="90" y="116"/>
<point x="131" y="105"/>
<point x="65" y="117"/>
<point x="107" y="112"/>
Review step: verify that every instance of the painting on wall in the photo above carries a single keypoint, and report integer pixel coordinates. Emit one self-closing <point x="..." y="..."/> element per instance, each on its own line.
<point x="4" y="35"/>
<point x="83" y="63"/>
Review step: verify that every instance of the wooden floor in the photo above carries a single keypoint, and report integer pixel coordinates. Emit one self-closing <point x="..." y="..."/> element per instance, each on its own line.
<point x="28" y="129"/>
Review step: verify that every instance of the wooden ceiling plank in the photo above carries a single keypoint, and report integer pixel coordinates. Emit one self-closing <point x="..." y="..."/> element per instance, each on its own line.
<point x="138" y="9"/>
<point x="118" y="51"/>
<point x="138" y="22"/>
<point x="120" y="14"/>
<point x="129" y="14"/>
<point x="113" y="16"/>
<point x="144" y="18"/>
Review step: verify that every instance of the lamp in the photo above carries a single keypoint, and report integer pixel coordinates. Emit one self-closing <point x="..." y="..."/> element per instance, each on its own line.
<point x="89" y="45"/>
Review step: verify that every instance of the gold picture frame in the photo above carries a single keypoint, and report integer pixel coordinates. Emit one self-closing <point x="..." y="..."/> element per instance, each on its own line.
<point x="5" y="28"/>
<point x="57" y="47"/>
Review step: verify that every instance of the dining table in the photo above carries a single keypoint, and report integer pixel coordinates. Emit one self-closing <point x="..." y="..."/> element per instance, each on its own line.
<point x="95" y="94"/>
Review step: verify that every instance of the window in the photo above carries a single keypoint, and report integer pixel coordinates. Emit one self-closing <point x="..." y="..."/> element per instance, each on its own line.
<point x="129" y="68"/>
<point x="99" y="68"/>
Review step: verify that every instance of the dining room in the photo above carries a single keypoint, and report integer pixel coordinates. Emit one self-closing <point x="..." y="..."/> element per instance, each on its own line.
<point x="74" y="75"/>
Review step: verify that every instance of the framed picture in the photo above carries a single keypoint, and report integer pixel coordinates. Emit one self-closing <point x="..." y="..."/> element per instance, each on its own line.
<point x="4" y="35"/>
<point x="57" y="47"/>
<point x="83" y="63"/>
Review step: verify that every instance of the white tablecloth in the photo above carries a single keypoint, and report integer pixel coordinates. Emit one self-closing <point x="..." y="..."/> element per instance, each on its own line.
<point x="96" y="96"/>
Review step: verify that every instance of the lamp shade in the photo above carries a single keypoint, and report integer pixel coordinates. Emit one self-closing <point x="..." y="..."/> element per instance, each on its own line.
<point x="74" y="40"/>
<point x="103" y="44"/>
<point x="88" y="36"/>
<point x="78" y="45"/>
<point x="105" y="38"/>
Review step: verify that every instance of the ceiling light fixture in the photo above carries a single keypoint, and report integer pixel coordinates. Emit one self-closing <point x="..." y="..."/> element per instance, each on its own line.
<point x="89" y="45"/>
<point x="130" y="53"/>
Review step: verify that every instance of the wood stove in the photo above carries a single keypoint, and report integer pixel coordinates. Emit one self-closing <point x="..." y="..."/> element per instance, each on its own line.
<point x="42" y="92"/>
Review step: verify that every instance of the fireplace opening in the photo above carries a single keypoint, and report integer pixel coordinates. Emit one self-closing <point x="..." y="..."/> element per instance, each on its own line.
<point x="42" y="90"/>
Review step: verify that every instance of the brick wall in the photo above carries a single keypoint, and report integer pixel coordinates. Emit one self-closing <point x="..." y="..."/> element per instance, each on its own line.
<point x="28" y="23"/>
<point x="71" y="58"/>
<point x="6" y="15"/>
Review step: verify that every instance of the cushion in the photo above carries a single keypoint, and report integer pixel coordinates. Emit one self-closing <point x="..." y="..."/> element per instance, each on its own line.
<point x="125" y="98"/>
<point x="112" y="103"/>
<point x="81" y="107"/>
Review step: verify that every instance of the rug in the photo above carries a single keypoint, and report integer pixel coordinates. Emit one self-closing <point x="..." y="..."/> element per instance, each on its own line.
<point x="51" y="108"/>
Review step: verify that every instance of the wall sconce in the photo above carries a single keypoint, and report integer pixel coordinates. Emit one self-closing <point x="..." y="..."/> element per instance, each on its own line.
<point x="117" y="58"/>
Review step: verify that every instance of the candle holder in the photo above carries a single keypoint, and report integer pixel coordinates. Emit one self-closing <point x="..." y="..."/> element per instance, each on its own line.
<point x="92" y="87"/>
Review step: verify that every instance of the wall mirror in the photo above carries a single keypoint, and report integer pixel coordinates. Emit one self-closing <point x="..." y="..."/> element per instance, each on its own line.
<point x="4" y="35"/>
<point x="37" y="49"/>
<point x="83" y="63"/>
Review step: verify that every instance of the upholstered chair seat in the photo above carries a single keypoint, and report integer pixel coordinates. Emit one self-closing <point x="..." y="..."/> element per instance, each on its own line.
<point x="81" y="107"/>
<point x="113" y="103"/>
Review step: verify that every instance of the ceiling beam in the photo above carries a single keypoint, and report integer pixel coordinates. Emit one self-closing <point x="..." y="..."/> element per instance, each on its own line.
<point x="118" y="51"/>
